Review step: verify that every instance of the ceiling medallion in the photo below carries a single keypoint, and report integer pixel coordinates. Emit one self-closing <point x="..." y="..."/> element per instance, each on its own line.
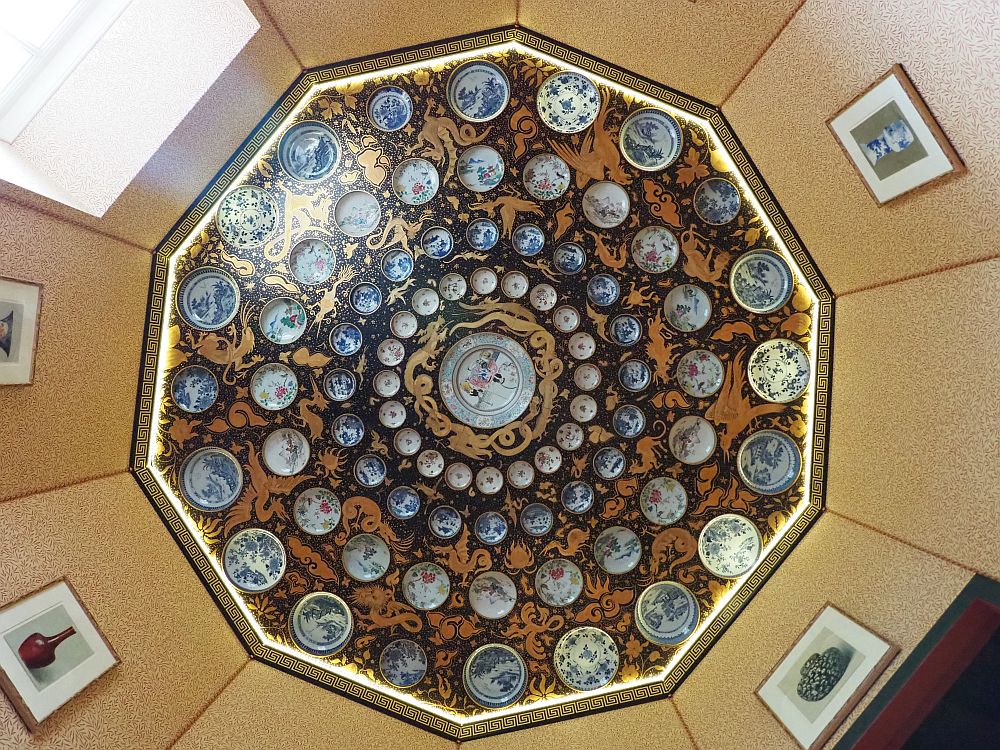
<point x="486" y="386"/>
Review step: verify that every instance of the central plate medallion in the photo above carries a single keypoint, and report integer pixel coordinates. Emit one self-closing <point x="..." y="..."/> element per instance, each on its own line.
<point x="486" y="380"/>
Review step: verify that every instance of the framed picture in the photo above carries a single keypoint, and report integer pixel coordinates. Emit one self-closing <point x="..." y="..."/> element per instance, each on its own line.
<point x="823" y="676"/>
<point x="892" y="139"/>
<point x="20" y="303"/>
<point x="50" y="650"/>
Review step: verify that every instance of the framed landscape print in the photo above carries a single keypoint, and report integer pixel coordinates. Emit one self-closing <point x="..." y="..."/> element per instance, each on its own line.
<point x="50" y="650"/>
<point x="892" y="139"/>
<point x="823" y="676"/>
<point x="19" y="309"/>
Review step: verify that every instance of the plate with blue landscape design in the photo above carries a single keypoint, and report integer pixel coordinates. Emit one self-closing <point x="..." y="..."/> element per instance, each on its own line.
<point x="321" y="623"/>
<point x="761" y="281"/>
<point x="211" y="479"/>
<point x="366" y="557"/>
<point x="717" y="201"/>
<point x="254" y="560"/>
<point x="390" y="108"/>
<point x="247" y="217"/>
<point x="650" y="139"/>
<point x="586" y="658"/>
<point x="309" y="151"/>
<point x="729" y="545"/>
<point x="769" y="462"/>
<point x="208" y="299"/>
<point x="478" y="91"/>
<point x="568" y="102"/>
<point x="494" y="675"/>
<point x="667" y="613"/>
<point x="194" y="389"/>
<point x="403" y="663"/>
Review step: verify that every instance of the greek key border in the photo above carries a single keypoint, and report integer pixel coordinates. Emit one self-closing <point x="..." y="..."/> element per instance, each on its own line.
<point x="144" y="417"/>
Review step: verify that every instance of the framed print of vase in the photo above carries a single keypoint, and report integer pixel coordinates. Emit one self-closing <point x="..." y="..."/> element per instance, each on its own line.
<point x="50" y="650"/>
<point x="892" y="139"/>
<point x="823" y="676"/>
<point x="20" y="302"/>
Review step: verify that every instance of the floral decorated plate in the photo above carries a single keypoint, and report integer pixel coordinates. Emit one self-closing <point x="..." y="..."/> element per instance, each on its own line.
<point x="655" y="249"/>
<point x="586" y="658"/>
<point x="687" y="307"/>
<point x="667" y="613"/>
<point x="211" y="479"/>
<point x="491" y="527"/>
<point x="366" y="557"/>
<point x="548" y="459"/>
<point x="520" y="474"/>
<point x="583" y="407"/>
<point x="403" y="502"/>
<point x="437" y="243"/>
<point x="769" y="462"/>
<point x="247" y="217"/>
<point x="528" y="239"/>
<point x="603" y="290"/>
<point x="629" y="421"/>
<point x="348" y="430"/>
<point x="495" y="675"/>
<point x="397" y="265"/>
<point x="286" y="452"/>
<point x="650" y="139"/>
<point x="778" y="370"/>
<point x="311" y="261"/>
<point x="283" y="320"/>
<point x="445" y="522"/>
<point x="430" y="463"/>
<point x="582" y="345"/>
<point x="345" y="339"/>
<point x="386" y="383"/>
<point x="569" y="258"/>
<point x="492" y="595"/>
<point x="514" y="284"/>
<point x="617" y="550"/>
<point x="404" y="324"/>
<point x="606" y="204"/>
<point x="357" y="213"/>
<point x="392" y="414"/>
<point x="692" y="440"/>
<point x="634" y="375"/>
<point x="390" y="108"/>
<point x="403" y="663"/>
<point x="569" y="436"/>
<point x="546" y="177"/>
<point x="415" y="181"/>
<point x="208" y="299"/>
<point x="426" y="586"/>
<point x="316" y="511"/>
<point x="489" y="480"/>
<point x="625" y="330"/>
<point x="566" y="319"/>
<point x="577" y="497"/>
<point x="543" y="297"/>
<point x="484" y="281"/>
<point x="729" y="545"/>
<point x="717" y="201"/>
<point x="559" y="582"/>
<point x="700" y="373"/>
<point x="482" y="234"/>
<point x="254" y="560"/>
<point x="369" y="470"/>
<point x="273" y="386"/>
<point x="340" y="385"/>
<point x="365" y="298"/>
<point x="458" y="476"/>
<point x="309" y="151"/>
<point x="194" y="389"/>
<point x="407" y="442"/>
<point x="536" y="519"/>
<point x="478" y="91"/>
<point x="480" y="168"/>
<point x="609" y="463"/>
<point x="761" y="282"/>
<point x="391" y="352"/>
<point x="568" y="102"/>
<point x="663" y="501"/>
<point x="321" y="623"/>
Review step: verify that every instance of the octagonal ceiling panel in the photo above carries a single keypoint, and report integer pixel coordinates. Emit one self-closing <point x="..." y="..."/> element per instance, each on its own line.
<point x="486" y="384"/>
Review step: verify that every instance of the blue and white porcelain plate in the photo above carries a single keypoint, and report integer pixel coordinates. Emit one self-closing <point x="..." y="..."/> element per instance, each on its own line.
<point x="667" y="613"/>
<point x="625" y="330"/>
<point x="717" y="201"/>
<point x="403" y="502"/>
<point x="311" y="261"/>
<point x="577" y="497"/>
<point x="546" y="177"/>
<point x="700" y="373"/>
<point x="687" y="307"/>
<point x="426" y="586"/>
<point x="283" y="320"/>
<point x="603" y="290"/>
<point x="536" y="519"/>
<point x="478" y="91"/>
<point x="403" y="663"/>
<point x="254" y="560"/>
<point x="415" y="181"/>
<point x="761" y="281"/>
<point x="568" y="102"/>
<point x="437" y="243"/>
<point x="194" y="389"/>
<point x="528" y="239"/>
<point x="309" y="151"/>
<point x="273" y="386"/>
<point x="495" y="675"/>
<point x="617" y="550"/>
<point x="211" y="479"/>
<point x="365" y="298"/>
<point x="606" y="204"/>
<point x="558" y="582"/>
<point x="650" y="139"/>
<point x="286" y="452"/>
<point x="655" y="249"/>
<point x="247" y="217"/>
<point x="663" y="501"/>
<point x="586" y="658"/>
<point x="778" y="370"/>
<point x="492" y="595"/>
<point x="444" y="522"/>
<point x="397" y="265"/>
<point x="366" y="557"/>
<point x="348" y="430"/>
<point x="609" y="463"/>
<point x="629" y="421"/>
<point x="482" y="234"/>
<point x="569" y="258"/>
<point x="480" y="168"/>
<point x="769" y="462"/>
<point x="321" y="623"/>
<point x="369" y="470"/>
<point x="345" y="339"/>
<point x="491" y="527"/>
<point x="390" y="108"/>
<point x="729" y="545"/>
<point x="634" y="375"/>
<point x="208" y="299"/>
<point x="340" y="385"/>
<point x="316" y="511"/>
<point x="357" y="213"/>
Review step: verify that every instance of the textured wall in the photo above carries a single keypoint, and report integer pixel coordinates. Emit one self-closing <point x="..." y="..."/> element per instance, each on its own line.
<point x="915" y="448"/>
<point x="75" y="421"/>
<point x="701" y="48"/>
<point x="890" y="587"/>
<point x="831" y="51"/>
<point x="176" y="650"/>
